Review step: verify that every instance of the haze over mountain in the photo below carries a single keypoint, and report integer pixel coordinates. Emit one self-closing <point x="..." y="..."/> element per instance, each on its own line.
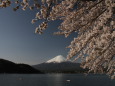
<point x="59" y="64"/>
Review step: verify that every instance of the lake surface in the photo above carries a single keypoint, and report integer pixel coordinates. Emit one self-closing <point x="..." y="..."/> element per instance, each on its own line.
<point x="55" y="80"/>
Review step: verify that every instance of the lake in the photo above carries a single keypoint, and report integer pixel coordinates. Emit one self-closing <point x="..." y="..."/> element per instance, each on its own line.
<point x="55" y="80"/>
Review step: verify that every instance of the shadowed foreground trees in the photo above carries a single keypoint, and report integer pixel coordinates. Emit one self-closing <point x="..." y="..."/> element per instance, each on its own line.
<point x="93" y="20"/>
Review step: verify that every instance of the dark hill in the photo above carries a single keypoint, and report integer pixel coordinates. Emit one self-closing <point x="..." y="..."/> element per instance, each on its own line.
<point x="11" y="67"/>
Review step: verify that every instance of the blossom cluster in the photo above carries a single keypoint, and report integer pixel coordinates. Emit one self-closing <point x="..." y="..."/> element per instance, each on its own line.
<point x="94" y="22"/>
<point x="5" y="3"/>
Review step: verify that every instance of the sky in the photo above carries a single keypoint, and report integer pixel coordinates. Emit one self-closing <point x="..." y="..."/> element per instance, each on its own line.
<point x="19" y="43"/>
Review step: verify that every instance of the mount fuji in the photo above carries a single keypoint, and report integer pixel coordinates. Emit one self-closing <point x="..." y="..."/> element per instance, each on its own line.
<point x="59" y="64"/>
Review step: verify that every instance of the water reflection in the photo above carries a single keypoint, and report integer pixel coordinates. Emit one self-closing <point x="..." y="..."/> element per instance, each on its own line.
<point x="55" y="80"/>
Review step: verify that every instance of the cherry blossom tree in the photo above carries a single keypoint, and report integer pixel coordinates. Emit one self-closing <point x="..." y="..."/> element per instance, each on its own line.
<point x="92" y="20"/>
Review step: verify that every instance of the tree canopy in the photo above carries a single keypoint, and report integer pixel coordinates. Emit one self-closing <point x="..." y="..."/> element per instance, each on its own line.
<point x="92" y="20"/>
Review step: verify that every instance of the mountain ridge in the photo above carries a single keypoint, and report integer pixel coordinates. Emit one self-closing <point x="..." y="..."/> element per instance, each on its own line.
<point x="59" y="66"/>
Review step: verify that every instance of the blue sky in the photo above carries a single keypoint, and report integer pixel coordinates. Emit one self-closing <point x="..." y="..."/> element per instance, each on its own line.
<point x="19" y="43"/>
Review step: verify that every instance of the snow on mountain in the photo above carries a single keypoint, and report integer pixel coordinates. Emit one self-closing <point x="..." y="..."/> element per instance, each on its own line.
<point x="57" y="59"/>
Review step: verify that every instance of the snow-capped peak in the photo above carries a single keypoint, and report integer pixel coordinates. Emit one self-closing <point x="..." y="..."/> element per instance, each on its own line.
<point x="57" y="59"/>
